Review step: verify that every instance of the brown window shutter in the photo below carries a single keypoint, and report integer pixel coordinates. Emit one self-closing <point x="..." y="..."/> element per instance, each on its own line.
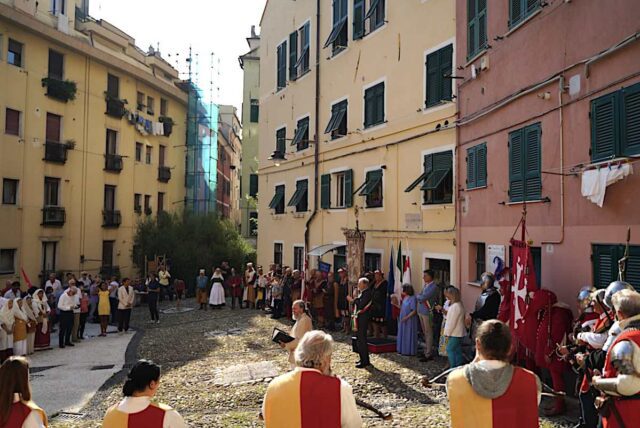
<point x="12" y="124"/>
<point x="53" y="127"/>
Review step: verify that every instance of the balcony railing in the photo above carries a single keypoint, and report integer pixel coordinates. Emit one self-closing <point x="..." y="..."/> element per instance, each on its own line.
<point x="63" y="90"/>
<point x="111" y="218"/>
<point x="164" y="174"/>
<point x="113" y="163"/>
<point x="115" y="107"/>
<point x="53" y="216"/>
<point x="55" y="152"/>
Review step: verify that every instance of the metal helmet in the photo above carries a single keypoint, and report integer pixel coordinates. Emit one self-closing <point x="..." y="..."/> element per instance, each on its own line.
<point x="584" y="297"/>
<point x="488" y="278"/>
<point x="612" y="289"/>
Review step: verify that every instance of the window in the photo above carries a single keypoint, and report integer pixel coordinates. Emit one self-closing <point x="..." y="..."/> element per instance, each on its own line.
<point x="12" y="122"/>
<point x="14" y="53"/>
<point x="299" y="52"/>
<point x="438" y="182"/>
<point x="375" y="16"/>
<point x="298" y="258"/>
<point x="56" y="61"/>
<point x="343" y="189"/>
<point x="524" y="164"/>
<point x="301" y="137"/>
<point x="107" y="253"/>
<point x="49" y="253"/>
<point x="160" y="202"/>
<point x="300" y="199"/>
<point x="337" y="125"/>
<point x="147" y="203"/>
<point x="477" y="166"/>
<point x="479" y="251"/>
<point x="253" y="185"/>
<point x="282" y="66"/>
<point x="604" y="258"/>
<point x="7" y="261"/>
<point x="281" y="140"/>
<point x="109" y="198"/>
<point x="338" y="38"/>
<point x="161" y="154"/>
<point x="137" y="202"/>
<point x="441" y="269"/>
<point x="476" y="27"/>
<point x="9" y="191"/>
<point x="113" y="86"/>
<point x="254" y="111"/>
<point x="293" y="55"/>
<point x="519" y="10"/>
<point x="372" y="189"/>
<point x="150" y="105"/>
<point x="439" y="70"/>
<point x="164" y="107"/>
<point x="51" y="192"/>
<point x="277" y="253"/>
<point x="277" y="203"/>
<point x="58" y="7"/>
<point x="253" y="223"/>
<point x="615" y="124"/>
<point x="111" y="145"/>
<point x="148" y="155"/>
<point x="54" y="125"/>
<point x="374" y="105"/>
<point x="140" y="101"/>
<point x="138" y="152"/>
<point x="372" y="262"/>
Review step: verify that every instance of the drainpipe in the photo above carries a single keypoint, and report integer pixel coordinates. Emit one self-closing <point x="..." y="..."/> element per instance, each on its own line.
<point x="458" y="210"/>
<point x="316" y="149"/>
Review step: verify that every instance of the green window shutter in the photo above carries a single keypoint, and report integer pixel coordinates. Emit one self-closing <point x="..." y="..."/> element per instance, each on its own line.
<point x="446" y="70"/>
<point x="293" y="55"/>
<point x="482" y="25"/>
<point x="433" y="79"/>
<point x="325" y="191"/>
<point x="281" y="135"/>
<point x="481" y="165"/>
<point x="633" y="266"/>
<point x="368" y="108"/>
<point x="605" y="131"/>
<point x="630" y="127"/>
<point x="379" y="105"/>
<point x="358" y="19"/>
<point x="348" y="188"/>
<point x="471" y="167"/>
<point x="472" y="28"/>
<point x="516" y="166"/>
<point x="532" y="5"/>
<point x="533" y="176"/>
<point x="515" y="12"/>
<point x="605" y="265"/>
<point x="282" y="65"/>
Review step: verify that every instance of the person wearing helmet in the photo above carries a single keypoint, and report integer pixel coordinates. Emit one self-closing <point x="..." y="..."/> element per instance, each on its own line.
<point x="487" y="304"/>
<point x="619" y="384"/>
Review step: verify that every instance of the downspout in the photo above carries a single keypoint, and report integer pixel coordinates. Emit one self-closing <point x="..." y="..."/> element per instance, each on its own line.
<point x="560" y="91"/>
<point x="458" y="210"/>
<point x="316" y="148"/>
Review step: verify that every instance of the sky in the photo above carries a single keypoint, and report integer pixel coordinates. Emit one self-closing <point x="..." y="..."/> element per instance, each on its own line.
<point x="208" y="26"/>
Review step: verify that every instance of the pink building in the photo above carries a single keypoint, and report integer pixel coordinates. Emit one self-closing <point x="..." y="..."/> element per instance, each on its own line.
<point x="549" y="109"/>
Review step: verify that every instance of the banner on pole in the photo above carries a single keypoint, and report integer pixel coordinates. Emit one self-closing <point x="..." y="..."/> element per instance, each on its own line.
<point x="524" y="283"/>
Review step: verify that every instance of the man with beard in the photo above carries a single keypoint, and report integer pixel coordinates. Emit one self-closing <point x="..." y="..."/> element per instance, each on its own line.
<point x="303" y="324"/>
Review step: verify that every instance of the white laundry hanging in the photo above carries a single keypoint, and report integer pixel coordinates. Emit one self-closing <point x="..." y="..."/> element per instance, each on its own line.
<point x="595" y="181"/>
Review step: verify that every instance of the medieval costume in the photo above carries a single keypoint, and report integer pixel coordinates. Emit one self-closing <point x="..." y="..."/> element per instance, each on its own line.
<point x="379" y="306"/>
<point x="487" y="304"/>
<point x="33" y="324"/>
<point x="43" y="330"/>
<point x="26" y="414"/>
<point x="6" y="328"/>
<point x="317" y="300"/>
<point x="134" y="412"/>
<point x="19" y="328"/>
<point x="216" y="297"/>
<point x="234" y="283"/>
<point x="201" y="289"/>
<point x="250" y="277"/>
<point x="341" y="303"/>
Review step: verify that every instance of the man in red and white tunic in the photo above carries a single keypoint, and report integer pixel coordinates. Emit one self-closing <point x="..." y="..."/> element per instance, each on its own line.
<point x="310" y="396"/>
<point x="620" y="381"/>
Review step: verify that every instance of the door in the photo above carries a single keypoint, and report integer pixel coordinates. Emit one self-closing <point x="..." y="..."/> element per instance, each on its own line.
<point x="109" y="198"/>
<point x="53" y="127"/>
<point x="161" y="155"/>
<point x="51" y="191"/>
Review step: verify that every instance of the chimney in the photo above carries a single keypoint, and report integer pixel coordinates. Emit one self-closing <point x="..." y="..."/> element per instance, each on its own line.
<point x="253" y="31"/>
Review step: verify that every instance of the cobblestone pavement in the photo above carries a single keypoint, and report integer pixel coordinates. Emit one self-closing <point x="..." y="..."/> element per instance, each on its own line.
<point x="203" y="354"/>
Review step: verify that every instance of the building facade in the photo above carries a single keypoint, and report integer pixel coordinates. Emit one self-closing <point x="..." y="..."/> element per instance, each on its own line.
<point x="228" y="165"/>
<point x="549" y="101"/>
<point x="250" y="64"/>
<point x="356" y="129"/>
<point x="91" y="140"/>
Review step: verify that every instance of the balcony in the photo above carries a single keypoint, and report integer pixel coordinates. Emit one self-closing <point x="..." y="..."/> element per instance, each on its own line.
<point x="111" y="218"/>
<point x="115" y="107"/>
<point x="164" y="174"/>
<point x="62" y="90"/>
<point x="113" y="163"/>
<point x="53" y="216"/>
<point x="55" y="152"/>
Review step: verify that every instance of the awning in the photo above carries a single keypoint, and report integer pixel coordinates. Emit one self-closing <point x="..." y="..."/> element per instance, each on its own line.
<point x="416" y="182"/>
<point x="297" y="139"/>
<point x="435" y="178"/>
<point x="299" y="195"/>
<point x="336" y="119"/>
<point x="277" y="198"/>
<point x="371" y="184"/>
<point x="322" y="249"/>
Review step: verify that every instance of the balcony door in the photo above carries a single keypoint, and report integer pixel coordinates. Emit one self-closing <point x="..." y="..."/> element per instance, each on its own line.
<point x="109" y="198"/>
<point x="51" y="192"/>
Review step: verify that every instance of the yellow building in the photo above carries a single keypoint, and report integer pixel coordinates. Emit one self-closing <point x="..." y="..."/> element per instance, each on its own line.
<point x="229" y="164"/>
<point x="357" y="128"/>
<point x="80" y="169"/>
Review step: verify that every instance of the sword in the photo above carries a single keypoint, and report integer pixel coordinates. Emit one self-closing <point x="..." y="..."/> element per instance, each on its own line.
<point x="427" y="383"/>
<point x="385" y="416"/>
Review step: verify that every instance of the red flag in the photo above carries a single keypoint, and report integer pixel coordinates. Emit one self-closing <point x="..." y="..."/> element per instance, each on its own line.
<point x="524" y="283"/>
<point x="26" y="278"/>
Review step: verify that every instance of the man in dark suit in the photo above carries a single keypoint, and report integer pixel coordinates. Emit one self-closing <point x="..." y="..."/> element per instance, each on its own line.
<point x="362" y="314"/>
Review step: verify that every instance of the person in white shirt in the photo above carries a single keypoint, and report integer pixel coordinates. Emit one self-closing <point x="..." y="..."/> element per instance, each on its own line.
<point x="113" y="299"/>
<point x="454" y="328"/>
<point x="66" y="305"/>
<point x="16" y="408"/>
<point x="53" y="282"/>
<point x="300" y="328"/>
<point x="85" y="280"/>
<point x="15" y="292"/>
<point x="76" y="310"/>
<point x="126" y="297"/>
<point x="136" y="409"/>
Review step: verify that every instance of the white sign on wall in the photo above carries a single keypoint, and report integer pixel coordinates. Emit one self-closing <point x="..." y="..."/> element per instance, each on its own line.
<point x="495" y="256"/>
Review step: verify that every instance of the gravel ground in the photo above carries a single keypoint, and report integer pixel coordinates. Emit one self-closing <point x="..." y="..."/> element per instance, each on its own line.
<point x="190" y="362"/>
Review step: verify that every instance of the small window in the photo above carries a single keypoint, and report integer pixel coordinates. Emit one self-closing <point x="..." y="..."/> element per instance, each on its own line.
<point x="519" y="10"/>
<point x="254" y="113"/>
<point x="300" y="198"/>
<point x="476" y="27"/>
<point x="298" y="258"/>
<point x="58" y="7"/>
<point x="277" y="253"/>
<point x="303" y="59"/>
<point x="438" y="182"/>
<point x="109" y="198"/>
<point x="372" y="189"/>
<point x="9" y="191"/>
<point x="161" y="155"/>
<point x="525" y="158"/>
<point x="137" y="202"/>
<point x="7" y="261"/>
<point x="160" y="202"/>
<point x="113" y="86"/>
<point x="14" y="54"/>
<point x="337" y="125"/>
<point x="336" y="188"/>
<point x="277" y="202"/>
<point x="150" y="105"/>
<point x="281" y="140"/>
<point x="49" y="253"/>
<point x="111" y="142"/>
<point x="107" y="253"/>
<point x="301" y="137"/>
<point x="374" y="113"/>
<point x="164" y="107"/>
<point x="147" y="202"/>
<point x="372" y="262"/>
<point x="56" y="65"/>
<point x="12" y="122"/>
<point x="338" y="38"/>
<point x="479" y="255"/>
<point x="140" y="105"/>
<point x="439" y="82"/>
<point x="253" y="223"/>
<point x="138" y="152"/>
<point x="293" y="55"/>
<point x="605" y="264"/>
<point x="282" y="66"/>
<point x="253" y="185"/>
<point x="477" y="166"/>
<point x="51" y="192"/>
<point x="53" y="128"/>
<point x="148" y="155"/>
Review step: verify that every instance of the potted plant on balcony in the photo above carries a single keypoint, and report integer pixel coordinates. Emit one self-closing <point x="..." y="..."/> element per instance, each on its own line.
<point x="63" y="90"/>
<point x="168" y="123"/>
<point x="147" y="211"/>
<point x="115" y="106"/>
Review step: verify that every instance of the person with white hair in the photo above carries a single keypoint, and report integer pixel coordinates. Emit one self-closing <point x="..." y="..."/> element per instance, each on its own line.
<point x="300" y="328"/>
<point x="360" y="320"/>
<point x="310" y="395"/>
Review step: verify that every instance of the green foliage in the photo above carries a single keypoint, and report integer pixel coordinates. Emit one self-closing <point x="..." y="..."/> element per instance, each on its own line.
<point x="64" y="90"/>
<point x="191" y="242"/>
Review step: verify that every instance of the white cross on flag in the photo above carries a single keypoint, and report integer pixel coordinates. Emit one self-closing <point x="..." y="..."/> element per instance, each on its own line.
<point x="524" y="283"/>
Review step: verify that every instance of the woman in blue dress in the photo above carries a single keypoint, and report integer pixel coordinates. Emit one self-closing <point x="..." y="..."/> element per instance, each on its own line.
<point x="408" y="323"/>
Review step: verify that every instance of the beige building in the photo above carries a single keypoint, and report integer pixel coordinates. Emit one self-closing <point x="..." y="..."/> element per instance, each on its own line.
<point x="87" y="145"/>
<point x="250" y="64"/>
<point x="356" y="129"/>
<point x="228" y="164"/>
